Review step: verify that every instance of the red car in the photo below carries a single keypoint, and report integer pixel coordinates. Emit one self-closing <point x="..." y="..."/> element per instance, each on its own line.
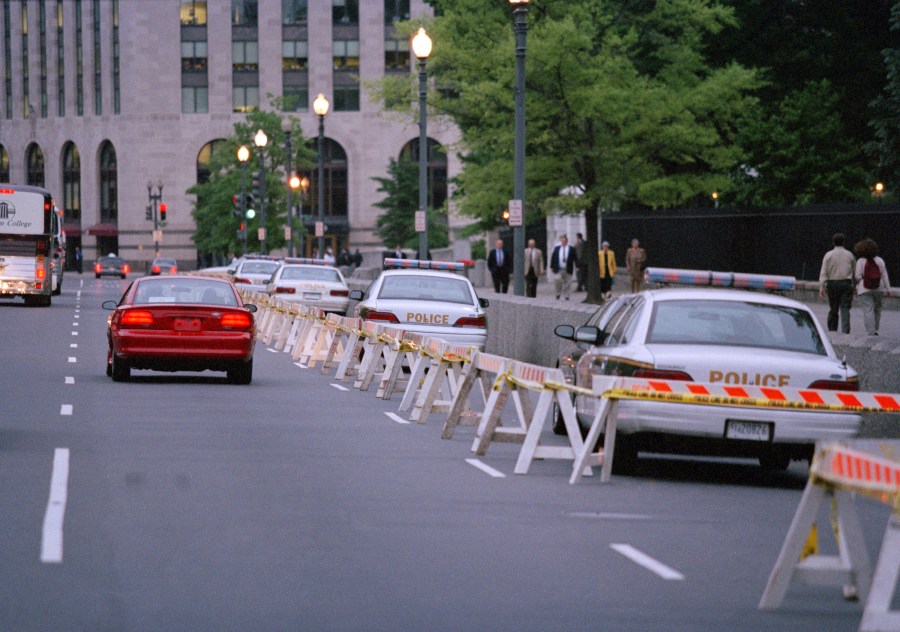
<point x="181" y="323"/>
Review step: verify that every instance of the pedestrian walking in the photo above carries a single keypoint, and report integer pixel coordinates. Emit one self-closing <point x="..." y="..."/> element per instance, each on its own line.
<point x="635" y="264"/>
<point x="534" y="268"/>
<point x="581" y="262"/>
<point x="563" y="262"/>
<point x="836" y="282"/>
<point x="500" y="266"/>
<point x="79" y="259"/>
<point x="872" y="283"/>
<point x="607" y="269"/>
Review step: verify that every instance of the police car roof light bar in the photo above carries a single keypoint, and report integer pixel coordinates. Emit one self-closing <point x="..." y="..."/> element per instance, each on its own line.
<point x="307" y="261"/>
<point x="451" y="266"/>
<point x="710" y="278"/>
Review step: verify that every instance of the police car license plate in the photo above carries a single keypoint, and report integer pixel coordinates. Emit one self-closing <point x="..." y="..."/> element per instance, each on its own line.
<point x="748" y="430"/>
<point x="312" y="296"/>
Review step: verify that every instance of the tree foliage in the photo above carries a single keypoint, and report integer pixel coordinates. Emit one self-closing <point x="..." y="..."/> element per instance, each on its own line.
<point x="886" y="118"/>
<point x="397" y="224"/>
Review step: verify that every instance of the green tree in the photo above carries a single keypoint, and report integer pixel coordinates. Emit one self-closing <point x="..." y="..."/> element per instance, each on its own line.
<point x="886" y="120"/>
<point x="397" y="224"/>
<point x="620" y="103"/>
<point x="213" y="213"/>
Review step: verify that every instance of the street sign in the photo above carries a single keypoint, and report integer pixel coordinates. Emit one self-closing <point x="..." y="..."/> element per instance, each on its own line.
<point x="157" y="235"/>
<point x="515" y="213"/>
<point x="287" y="232"/>
<point x="261" y="234"/>
<point x="420" y="221"/>
<point x="320" y="229"/>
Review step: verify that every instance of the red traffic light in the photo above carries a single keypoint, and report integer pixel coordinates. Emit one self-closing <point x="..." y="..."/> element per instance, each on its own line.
<point x="163" y="208"/>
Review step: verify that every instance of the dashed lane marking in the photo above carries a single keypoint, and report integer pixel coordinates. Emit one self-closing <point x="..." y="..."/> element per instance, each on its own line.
<point x="72" y="359"/>
<point x="487" y="469"/>
<point x="300" y="365"/>
<point x="52" y="531"/>
<point x="397" y="418"/>
<point x="340" y="388"/>
<point x="66" y="409"/>
<point x="642" y="559"/>
<point x="70" y="380"/>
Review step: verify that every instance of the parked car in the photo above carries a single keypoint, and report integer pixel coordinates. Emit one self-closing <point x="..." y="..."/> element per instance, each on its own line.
<point x="714" y="336"/>
<point x="180" y="323"/>
<point x="252" y="272"/>
<point x="310" y="282"/>
<point x="111" y="265"/>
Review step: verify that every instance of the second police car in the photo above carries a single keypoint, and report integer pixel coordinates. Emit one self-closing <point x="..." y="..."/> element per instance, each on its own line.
<point x="431" y="298"/>
<point x="310" y="282"/>
<point x="252" y="272"/>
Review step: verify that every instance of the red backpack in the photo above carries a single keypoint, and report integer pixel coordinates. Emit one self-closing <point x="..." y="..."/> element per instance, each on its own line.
<point x="871" y="275"/>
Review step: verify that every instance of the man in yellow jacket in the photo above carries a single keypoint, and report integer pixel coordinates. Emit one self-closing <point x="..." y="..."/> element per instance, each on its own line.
<point x="607" y="269"/>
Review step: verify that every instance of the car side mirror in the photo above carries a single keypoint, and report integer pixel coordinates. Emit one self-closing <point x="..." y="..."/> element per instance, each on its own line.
<point x="484" y="302"/>
<point x="110" y="305"/>
<point x="250" y="307"/>
<point x="356" y="295"/>
<point x="231" y="270"/>
<point x="565" y="331"/>
<point x="590" y="335"/>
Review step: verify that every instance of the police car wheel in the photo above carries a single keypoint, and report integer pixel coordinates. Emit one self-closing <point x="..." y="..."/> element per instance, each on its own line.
<point x="625" y="456"/>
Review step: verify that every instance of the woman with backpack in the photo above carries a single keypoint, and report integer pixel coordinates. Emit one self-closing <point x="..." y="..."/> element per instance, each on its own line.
<point x="872" y="283"/>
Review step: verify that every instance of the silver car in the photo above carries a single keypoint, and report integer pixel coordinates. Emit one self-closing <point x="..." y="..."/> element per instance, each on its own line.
<point x="435" y="303"/>
<point x="310" y="282"/>
<point x="713" y="336"/>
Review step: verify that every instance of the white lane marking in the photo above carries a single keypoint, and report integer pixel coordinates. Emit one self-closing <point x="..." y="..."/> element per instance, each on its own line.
<point x="74" y="324"/>
<point x="397" y="418"/>
<point x="52" y="532"/>
<point x="66" y="409"/>
<point x="70" y="380"/>
<point x="271" y="350"/>
<point x="72" y="360"/>
<point x="340" y="388"/>
<point x="642" y="559"/>
<point x="73" y="345"/>
<point x="74" y="333"/>
<point x="76" y="315"/>
<point x="487" y="469"/>
<point x="300" y="365"/>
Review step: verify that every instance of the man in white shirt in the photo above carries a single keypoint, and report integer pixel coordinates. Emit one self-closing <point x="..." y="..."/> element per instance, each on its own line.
<point x="534" y="268"/>
<point x="563" y="262"/>
<point x="836" y="280"/>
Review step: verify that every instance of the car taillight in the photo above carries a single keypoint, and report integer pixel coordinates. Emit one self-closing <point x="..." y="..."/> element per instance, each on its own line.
<point x="97" y="267"/>
<point x="39" y="273"/>
<point x="340" y="292"/>
<point x="126" y="269"/>
<point x="467" y="321"/>
<point x="155" y="269"/>
<point x="285" y="290"/>
<point x="381" y="316"/>
<point x="136" y="318"/>
<point x="835" y="385"/>
<point x="242" y="280"/>
<point x="173" y="270"/>
<point x="662" y="374"/>
<point x="236" y="320"/>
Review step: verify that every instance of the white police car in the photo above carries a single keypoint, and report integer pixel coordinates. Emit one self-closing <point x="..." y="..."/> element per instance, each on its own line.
<point x="426" y="297"/>
<point x="310" y="282"/>
<point x="717" y="336"/>
<point x="253" y="272"/>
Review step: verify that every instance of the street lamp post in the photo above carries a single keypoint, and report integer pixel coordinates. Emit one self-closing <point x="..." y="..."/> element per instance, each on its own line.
<point x="243" y="155"/>
<point x="297" y="182"/>
<point x="286" y="128"/>
<point x="261" y="140"/>
<point x="155" y="199"/>
<point x="421" y="45"/>
<point x="320" y="107"/>
<point x="521" y="28"/>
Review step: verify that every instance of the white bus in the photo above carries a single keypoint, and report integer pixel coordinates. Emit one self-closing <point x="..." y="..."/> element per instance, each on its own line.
<point x="28" y="234"/>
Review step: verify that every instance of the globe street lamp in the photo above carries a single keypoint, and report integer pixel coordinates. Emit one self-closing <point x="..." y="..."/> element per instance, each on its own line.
<point x="421" y="45"/>
<point x="261" y="140"/>
<point x="320" y="107"/>
<point x="521" y="27"/>
<point x="286" y="128"/>
<point x="303" y="184"/>
<point x="243" y="155"/>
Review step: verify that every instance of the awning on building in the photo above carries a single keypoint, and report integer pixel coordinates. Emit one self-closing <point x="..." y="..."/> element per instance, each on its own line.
<point x="73" y="229"/>
<point x="103" y="230"/>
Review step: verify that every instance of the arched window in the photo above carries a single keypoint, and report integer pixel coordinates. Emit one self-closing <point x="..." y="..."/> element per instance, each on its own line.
<point x="204" y="158"/>
<point x="4" y="164"/>
<point x="34" y="159"/>
<point x="109" y="184"/>
<point x="335" y="159"/>
<point x="71" y="193"/>
<point x="436" y="162"/>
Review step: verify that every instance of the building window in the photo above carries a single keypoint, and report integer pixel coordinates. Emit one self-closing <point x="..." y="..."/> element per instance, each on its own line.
<point x="98" y="83"/>
<point x="345" y="11"/>
<point x="345" y="53"/>
<point x="42" y="36"/>
<point x="296" y="99"/>
<point x="7" y="59"/>
<point x="335" y="159"/>
<point x="396" y="11"/>
<point x="195" y="100"/>
<point x="346" y="98"/>
<point x="244" y="12"/>
<point x="71" y="197"/>
<point x="194" y="56"/>
<point x="245" y="98"/>
<point x="34" y="161"/>
<point x="60" y="61"/>
<point x="109" y="184"/>
<point x="193" y="12"/>
<point x="204" y="159"/>
<point x="396" y="54"/>
<point x="293" y="12"/>
<point x="117" y="98"/>
<point x="245" y="56"/>
<point x="436" y="162"/>
<point x="79" y="60"/>
<point x="294" y="54"/>
<point x="4" y="164"/>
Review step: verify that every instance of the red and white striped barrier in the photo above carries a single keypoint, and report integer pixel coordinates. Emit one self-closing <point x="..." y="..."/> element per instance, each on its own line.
<point x="481" y="371"/>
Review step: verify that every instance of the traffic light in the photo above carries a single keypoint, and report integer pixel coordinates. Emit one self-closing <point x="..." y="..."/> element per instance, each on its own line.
<point x="249" y="201"/>
<point x="162" y="211"/>
<point x="256" y="185"/>
<point x="236" y="201"/>
<point x="242" y="231"/>
<point x="149" y="215"/>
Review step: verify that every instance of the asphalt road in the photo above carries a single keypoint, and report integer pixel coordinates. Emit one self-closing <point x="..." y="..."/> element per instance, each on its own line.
<point x="179" y="502"/>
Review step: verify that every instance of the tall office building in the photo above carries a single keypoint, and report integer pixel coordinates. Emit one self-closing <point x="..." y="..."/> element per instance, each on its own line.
<point x="103" y="98"/>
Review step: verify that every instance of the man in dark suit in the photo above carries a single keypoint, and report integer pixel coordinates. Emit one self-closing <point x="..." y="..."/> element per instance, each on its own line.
<point x="396" y="253"/>
<point x="563" y="262"/>
<point x="500" y="265"/>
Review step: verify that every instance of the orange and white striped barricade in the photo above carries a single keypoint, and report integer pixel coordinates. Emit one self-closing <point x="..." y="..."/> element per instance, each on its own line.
<point x="419" y="369"/>
<point x="481" y="371"/>
<point x="277" y="313"/>
<point x="442" y="382"/>
<point x="407" y="350"/>
<point x="344" y="327"/>
<point x="368" y="343"/>
<point x="839" y="472"/>
<point x="377" y="355"/>
<point x="316" y="340"/>
<point x="306" y="327"/>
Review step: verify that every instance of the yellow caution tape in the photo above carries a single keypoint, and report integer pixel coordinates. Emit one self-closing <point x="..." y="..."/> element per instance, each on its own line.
<point x="721" y="400"/>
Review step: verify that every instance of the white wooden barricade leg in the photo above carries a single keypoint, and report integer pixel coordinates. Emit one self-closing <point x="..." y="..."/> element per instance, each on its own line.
<point x="878" y="616"/>
<point x="604" y="422"/>
<point x="344" y="328"/>
<point x="263" y="314"/>
<point x="443" y="381"/>
<point x="321" y="341"/>
<point x="434" y="349"/>
<point x="851" y="565"/>
<point x="490" y="427"/>
<point x="371" y="351"/>
<point x="312" y="337"/>
<point x="481" y="368"/>
<point x="307" y="329"/>
<point x="297" y="322"/>
<point x="287" y="325"/>
<point x="383" y="349"/>
<point x="349" y="364"/>
<point x="417" y="376"/>
<point x="405" y="356"/>
<point x="275" y="320"/>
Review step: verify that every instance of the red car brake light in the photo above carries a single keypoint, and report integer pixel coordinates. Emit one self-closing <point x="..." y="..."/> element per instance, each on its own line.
<point x="340" y="292"/>
<point x="242" y="280"/>
<point x="237" y="320"/>
<point x="835" y="385"/>
<point x="126" y="269"/>
<point x="136" y="318"/>
<point x="97" y="268"/>
<point x="381" y="316"/>
<point x="661" y="374"/>
<point x="155" y="269"/>
<point x="285" y="290"/>
<point x="467" y="321"/>
<point x="173" y="270"/>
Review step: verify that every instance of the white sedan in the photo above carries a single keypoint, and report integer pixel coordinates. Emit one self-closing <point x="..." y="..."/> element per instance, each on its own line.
<point x="253" y="272"/>
<point x="713" y="336"/>
<point x="426" y="297"/>
<point x="310" y="282"/>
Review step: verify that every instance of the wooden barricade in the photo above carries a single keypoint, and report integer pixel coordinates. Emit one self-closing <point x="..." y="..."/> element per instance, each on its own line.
<point x="299" y="315"/>
<point x="406" y="352"/>
<point x="305" y="328"/>
<point x="443" y="380"/>
<point x="372" y="359"/>
<point x="482" y="371"/>
<point x="384" y="346"/>
<point x="349" y="363"/>
<point x="344" y="328"/>
<point x="316" y="340"/>
<point x="427" y="350"/>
